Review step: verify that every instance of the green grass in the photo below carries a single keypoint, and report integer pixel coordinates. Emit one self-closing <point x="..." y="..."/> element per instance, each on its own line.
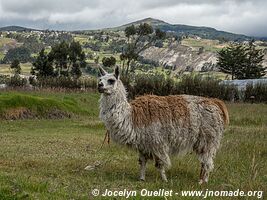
<point x="81" y="38"/>
<point x="2" y="55"/>
<point x="45" y="159"/>
<point x="212" y="74"/>
<point x="39" y="103"/>
<point x="209" y="45"/>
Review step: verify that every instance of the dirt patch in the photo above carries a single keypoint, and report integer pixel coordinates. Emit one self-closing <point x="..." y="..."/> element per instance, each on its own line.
<point x="57" y="114"/>
<point x="18" y="113"/>
<point x="25" y="113"/>
<point x="30" y="164"/>
<point x="6" y="163"/>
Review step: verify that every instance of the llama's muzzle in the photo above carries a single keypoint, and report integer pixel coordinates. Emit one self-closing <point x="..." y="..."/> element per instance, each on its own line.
<point x="101" y="87"/>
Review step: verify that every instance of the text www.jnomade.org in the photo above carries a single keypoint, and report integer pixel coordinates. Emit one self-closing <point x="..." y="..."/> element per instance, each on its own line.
<point x="169" y="193"/>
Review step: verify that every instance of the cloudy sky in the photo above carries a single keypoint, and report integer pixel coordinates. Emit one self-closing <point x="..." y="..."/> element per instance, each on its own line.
<point x="238" y="16"/>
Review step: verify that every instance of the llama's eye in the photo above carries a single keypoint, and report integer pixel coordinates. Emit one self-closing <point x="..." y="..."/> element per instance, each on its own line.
<point x="111" y="81"/>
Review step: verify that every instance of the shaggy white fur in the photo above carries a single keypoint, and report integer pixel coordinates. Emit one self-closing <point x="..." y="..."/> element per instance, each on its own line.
<point x="199" y="128"/>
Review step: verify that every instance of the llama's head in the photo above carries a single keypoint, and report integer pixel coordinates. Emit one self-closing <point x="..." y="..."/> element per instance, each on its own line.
<point x="108" y="83"/>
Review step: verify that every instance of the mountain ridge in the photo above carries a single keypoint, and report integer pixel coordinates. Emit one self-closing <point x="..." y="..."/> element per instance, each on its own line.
<point x="17" y="28"/>
<point x="182" y="29"/>
<point x="177" y="29"/>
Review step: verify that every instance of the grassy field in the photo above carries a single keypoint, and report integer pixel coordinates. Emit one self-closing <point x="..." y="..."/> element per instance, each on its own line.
<point x="5" y="41"/>
<point x="209" y="45"/>
<point x="25" y="68"/>
<point x="45" y="159"/>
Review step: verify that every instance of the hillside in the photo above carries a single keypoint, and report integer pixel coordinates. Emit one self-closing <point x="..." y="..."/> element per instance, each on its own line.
<point x="181" y="30"/>
<point x="16" y="28"/>
<point x="176" y="29"/>
<point x="151" y="21"/>
<point x="196" y="50"/>
<point x="182" y="58"/>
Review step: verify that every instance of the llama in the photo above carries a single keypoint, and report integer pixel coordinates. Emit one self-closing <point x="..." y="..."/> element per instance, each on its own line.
<point x="159" y="126"/>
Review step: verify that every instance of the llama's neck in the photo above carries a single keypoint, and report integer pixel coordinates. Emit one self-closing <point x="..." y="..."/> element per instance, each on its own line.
<point x="115" y="111"/>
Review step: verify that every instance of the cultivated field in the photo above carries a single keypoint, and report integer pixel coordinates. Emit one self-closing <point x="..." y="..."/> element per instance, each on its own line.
<point x="25" y="69"/>
<point x="45" y="158"/>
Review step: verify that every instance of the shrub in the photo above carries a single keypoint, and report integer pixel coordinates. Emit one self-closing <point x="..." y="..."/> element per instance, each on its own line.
<point x="4" y="79"/>
<point x="17" y="81"/>
<point x="207" y="87"/>
<point x="20" y="53"/>
<point x="256" y="93"/>
<point x="160" y="84"/>
<point x="66" y="82"/>
<point x="140" y="84"/>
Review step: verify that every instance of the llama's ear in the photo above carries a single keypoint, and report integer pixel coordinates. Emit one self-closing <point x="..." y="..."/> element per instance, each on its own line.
<point x="117" y="72"/>
<point x="102" y="72"/>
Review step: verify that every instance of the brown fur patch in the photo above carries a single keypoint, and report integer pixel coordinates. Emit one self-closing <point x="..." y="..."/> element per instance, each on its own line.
<point x="221" y="105"/>
<point x="150" y="108"/>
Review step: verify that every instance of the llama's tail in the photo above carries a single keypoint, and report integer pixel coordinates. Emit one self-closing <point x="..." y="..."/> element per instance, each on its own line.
<point x="224" y="110"/>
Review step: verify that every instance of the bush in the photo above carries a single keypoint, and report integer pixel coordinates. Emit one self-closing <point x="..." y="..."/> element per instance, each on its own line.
<point x="91" y="70"/>
<point x="140" y="84"/>
<point x="256" y="93"/>
<point x="66" y="82"/>
<point x="4" y="79"/>
<point x="160" y="84"/>
<point x="20" y="53"/>
<point x="17" y="81"/>
<point x="207" y="87"/>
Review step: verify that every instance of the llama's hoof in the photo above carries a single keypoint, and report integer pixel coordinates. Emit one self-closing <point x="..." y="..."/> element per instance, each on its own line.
<point x="142" y="179"/>
<point x="165" y="180"/>
<point x="202" y="181"/>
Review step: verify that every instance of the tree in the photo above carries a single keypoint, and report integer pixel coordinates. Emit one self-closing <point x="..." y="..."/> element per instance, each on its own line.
<point x="33" y="44"/>
<point x="76" y="59"/>
<point x="67" y="58"/>
<point x="200" y="50"/>
<point x="130" y="30"/>
<point x="15" y="66"/>
<point x="138" y="39"/>
<point x="96" y="60"/>
<point x="76" y="70"/>
<point x="241" y="61"/>
<point x="109" y="61"/>
<point x="42" y="67"/>
<point x="159" y="44"/>
<point x="231" y="58"/>
<point x="59" y="56"/>
<point x="254" y="68"/>
<point x="20" y="53"/>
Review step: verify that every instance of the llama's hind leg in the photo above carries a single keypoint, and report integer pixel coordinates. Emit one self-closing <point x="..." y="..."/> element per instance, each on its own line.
<point x="204" y="172"/>
<point x="142" y="162"/>
<point x="206" y="160"/>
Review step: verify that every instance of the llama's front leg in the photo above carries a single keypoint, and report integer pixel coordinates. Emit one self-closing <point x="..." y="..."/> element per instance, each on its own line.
<point x="163" y="174"/>
<point x="160" y="166"/>
<point x="142" y="162"/>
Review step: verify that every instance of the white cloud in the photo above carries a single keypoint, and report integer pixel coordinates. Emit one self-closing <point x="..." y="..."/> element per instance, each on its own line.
<point x="247" y="17"/>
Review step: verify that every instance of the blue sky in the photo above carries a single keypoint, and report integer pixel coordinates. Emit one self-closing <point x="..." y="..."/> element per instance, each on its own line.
<point x="238" y="16"/>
